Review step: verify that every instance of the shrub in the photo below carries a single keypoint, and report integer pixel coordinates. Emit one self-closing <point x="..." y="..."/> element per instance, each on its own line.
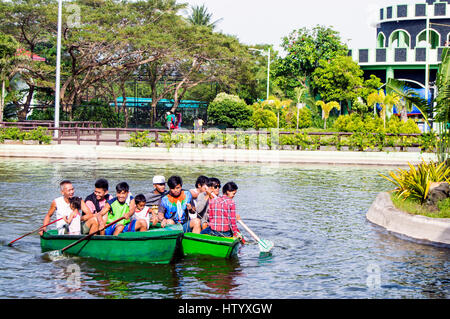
<point x="140" y="139"/>
<point x="264" y="119"/>
<point x="415" y="183"/>
<point x="40" y="134"/>
<point x="304" y="118"/>
<point x="231" y="111"/>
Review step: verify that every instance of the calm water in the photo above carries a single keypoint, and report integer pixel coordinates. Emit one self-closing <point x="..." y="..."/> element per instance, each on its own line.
<point x="325" y="247"/>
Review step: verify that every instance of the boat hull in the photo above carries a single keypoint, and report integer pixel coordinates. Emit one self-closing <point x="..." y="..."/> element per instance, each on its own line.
<point x="154" y="246"/>
<point x="207" y="245"/>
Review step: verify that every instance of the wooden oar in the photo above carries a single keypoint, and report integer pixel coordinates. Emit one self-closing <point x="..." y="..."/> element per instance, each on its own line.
<point x="264" y="244"/>
<point x="34" y="231"/>
<point x="90" y="235"/>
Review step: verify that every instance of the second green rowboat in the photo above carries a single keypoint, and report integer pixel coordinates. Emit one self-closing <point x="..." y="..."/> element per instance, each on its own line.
<point x="207" y="245"/>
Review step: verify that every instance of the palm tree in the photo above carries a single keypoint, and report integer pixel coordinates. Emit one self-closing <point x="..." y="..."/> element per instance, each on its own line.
<point x="299" y="92"/>
<point x="442" y="107"/>
<point x="385" y="101"/>
<point x="408" y="97"/>
<point x="326" y="109"/>
<point x="201" y="16"/>
<point x="390" y="101"/>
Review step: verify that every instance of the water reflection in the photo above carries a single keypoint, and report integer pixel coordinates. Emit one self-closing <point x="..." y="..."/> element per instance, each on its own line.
<point x="214" y="277"/>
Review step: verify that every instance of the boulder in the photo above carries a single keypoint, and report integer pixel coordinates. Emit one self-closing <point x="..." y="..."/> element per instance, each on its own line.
<point x="437" y="193"/>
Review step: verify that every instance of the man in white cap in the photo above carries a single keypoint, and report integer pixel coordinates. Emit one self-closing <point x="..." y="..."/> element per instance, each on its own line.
<point x="159" y="191"/>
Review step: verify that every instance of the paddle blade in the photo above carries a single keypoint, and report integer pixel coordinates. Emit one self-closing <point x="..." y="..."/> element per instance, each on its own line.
<point x="265" y="245"/>
<point x="54" y="255"/>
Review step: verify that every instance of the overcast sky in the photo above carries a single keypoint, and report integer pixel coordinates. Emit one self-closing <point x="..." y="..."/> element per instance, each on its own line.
<point x="268" y="21"/>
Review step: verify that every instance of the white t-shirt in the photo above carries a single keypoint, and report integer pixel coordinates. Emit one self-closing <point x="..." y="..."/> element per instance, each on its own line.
<point x="75" y="225"/>
<point x="62" y="210"/>
<point x="145" y="214"/>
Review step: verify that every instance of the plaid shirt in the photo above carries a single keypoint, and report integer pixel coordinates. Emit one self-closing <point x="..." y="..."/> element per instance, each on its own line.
<point x="222" y="214"/>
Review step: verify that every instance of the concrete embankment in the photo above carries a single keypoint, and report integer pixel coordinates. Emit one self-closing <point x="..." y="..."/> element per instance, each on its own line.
<point x="423" y="229"/>
<point x="70" y="151"/>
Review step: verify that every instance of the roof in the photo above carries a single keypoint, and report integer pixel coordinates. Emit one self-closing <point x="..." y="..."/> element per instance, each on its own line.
<point x="146" y="102"/>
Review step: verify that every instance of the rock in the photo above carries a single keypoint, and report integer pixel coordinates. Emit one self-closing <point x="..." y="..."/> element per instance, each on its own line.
<point x="437" y="193"/>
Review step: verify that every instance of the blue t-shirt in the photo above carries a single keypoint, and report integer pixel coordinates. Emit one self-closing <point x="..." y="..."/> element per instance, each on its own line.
<point x="175" y="207"/>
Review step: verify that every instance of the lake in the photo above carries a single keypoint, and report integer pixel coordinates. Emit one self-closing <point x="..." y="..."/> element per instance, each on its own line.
<point x="315" y="215"/>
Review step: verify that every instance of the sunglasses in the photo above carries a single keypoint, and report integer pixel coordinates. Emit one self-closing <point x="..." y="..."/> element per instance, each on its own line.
<point x="217" y="186"/>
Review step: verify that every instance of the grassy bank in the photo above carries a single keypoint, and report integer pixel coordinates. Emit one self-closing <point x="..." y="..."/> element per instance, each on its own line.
<point x="415" y="208"/>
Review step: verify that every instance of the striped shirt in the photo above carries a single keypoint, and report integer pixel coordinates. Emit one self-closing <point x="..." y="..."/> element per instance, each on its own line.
<point x="222" y="214"/>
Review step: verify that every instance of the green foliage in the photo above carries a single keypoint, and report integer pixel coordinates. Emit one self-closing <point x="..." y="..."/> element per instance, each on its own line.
<point x="264" y="119"/>
<point x="444" y="207"/>
<point x="304" y="118"/>
<point x="338" y="79"/>
<point x="230" y="111"/>
<point x="369" y="124"/>
<point x="40" y="134"/>
<point x="201" y="17"/>
<point x="428" y="142"/>
<point x="305" y="48"/>
<point x="140" y="139"/>
<point x="415" y="183"/>
<point x="88" y="112"/>
<point x="414" y="207"/>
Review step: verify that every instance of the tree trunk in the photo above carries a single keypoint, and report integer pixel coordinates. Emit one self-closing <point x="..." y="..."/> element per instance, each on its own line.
<point x="22" y="114"/>
<point x="404" y="114"/>
<point x="176" y="96"/>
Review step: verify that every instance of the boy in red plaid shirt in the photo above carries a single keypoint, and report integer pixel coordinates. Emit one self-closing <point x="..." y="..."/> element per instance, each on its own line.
<point x="222" y="214"/>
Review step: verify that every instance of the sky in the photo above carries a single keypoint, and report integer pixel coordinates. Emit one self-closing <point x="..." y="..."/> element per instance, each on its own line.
<point x="268" y="21"/>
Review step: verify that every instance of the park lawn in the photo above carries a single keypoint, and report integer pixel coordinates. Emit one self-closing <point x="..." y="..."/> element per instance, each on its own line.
<point x="414" y="207"/>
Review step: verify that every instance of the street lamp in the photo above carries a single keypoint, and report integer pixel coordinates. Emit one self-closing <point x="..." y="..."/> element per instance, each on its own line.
<point x="268" y="66"/>
<point x="58" y="67"/>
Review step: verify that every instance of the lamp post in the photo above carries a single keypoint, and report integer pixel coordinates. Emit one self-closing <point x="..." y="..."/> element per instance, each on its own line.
<point x="268" y="67"/>
<point x="58" y="68"/>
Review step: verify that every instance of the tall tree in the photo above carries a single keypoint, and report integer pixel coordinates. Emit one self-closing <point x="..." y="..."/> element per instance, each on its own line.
<point x="28" y="22"/>
<point x="339" y="79"/>
<point x="305" y="48"/>
<point x="8" y="50"/>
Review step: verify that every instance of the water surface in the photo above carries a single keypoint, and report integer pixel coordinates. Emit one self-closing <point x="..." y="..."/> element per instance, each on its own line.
<point x="324" y="245"/>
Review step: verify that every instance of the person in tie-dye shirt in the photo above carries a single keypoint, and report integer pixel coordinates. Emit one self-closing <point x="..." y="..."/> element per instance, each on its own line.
<point x="176" y="205"/>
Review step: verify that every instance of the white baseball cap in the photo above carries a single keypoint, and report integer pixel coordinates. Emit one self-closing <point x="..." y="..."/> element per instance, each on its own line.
<point x="158" y="179"/>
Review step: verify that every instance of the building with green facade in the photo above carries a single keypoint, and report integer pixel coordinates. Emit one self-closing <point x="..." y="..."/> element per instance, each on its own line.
<point x="409" y="43"/>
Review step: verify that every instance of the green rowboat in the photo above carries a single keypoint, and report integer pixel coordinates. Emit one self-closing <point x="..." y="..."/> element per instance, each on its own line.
<point x="207" y="245"/>
<point x="157" y="245"/>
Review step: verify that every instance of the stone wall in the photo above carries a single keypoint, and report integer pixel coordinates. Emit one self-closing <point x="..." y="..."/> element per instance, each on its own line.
<point x="383" y="213"/>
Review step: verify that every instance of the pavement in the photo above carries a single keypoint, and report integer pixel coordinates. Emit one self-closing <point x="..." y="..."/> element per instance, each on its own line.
<point x="211" y="154"/>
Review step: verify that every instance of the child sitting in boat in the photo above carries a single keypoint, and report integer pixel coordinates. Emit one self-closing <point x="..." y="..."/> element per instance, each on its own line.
<point x="74" y="219"/>
<point x="222" y="214"/>
<point x="144" y="215"/>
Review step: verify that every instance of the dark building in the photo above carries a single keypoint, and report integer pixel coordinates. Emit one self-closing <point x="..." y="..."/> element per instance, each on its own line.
<point x="403" y="49"/>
